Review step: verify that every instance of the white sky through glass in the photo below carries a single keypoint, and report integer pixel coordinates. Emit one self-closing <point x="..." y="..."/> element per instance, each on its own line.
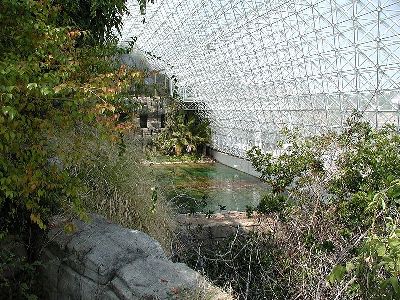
<point x="256" y="66"/>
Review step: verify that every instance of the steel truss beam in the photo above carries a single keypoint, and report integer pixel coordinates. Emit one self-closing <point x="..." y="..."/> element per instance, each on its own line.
<point x="256" y="66"/>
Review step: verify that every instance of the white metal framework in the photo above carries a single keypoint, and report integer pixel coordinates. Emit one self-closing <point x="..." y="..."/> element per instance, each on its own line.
<point x="256" y="66"/>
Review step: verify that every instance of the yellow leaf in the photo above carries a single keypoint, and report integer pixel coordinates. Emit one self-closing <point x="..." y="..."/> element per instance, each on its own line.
<point x="70" y="228"/>
<point x="35" y="218"/>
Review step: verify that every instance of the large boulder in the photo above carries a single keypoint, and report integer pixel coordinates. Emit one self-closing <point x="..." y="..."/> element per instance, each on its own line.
<point x="101" y="260"/>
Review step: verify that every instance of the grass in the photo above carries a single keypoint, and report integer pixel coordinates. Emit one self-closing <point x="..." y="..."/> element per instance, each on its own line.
<point x="117" y="184"/>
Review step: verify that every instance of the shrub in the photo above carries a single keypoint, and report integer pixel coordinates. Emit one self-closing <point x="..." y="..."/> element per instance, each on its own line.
<point x="251" y="266"/>
<point x="18" y="276"/>
<point x="54" y="76"/>
<point x="272" y="203"/>
<point x="340" y="235"/>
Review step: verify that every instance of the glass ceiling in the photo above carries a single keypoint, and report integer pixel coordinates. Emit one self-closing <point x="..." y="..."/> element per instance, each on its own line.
<point x="256" y="66"/>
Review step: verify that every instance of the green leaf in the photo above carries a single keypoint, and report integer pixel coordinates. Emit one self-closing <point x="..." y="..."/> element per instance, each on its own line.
<point x="395" y="284"/>
<point x="383" y="203"/>
<point x="394" y="191"/>
<point x="349" y="266"/>
<point x="35" y="218"/>
<point x="10" y="88"/>
<point x="394" y="243"/>
<point x="337" y="274"/>
<point x="10" y="111"/>
<point x="31" y="297"/>
<point x="32" y="86"/>
<point x="381" y="250"/>
<point x="46" y="91"/>
<point x="70" y="228"/>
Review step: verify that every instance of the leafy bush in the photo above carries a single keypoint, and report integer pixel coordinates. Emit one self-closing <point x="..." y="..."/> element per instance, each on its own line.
<point x="48" y="81"/>
<point x="58" y="72"/>
<point x="374" y="269"/>
<point x="342" y="228"/>
<point x="272" y="203"/>
<point x="18" y="276"/>
<point x="280" y="171"/>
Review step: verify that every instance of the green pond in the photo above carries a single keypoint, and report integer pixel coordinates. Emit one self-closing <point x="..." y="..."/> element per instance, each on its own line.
<point x="208" y="187"/>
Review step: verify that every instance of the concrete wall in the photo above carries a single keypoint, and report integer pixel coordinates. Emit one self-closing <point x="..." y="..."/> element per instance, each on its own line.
<point x="235" y="162"/>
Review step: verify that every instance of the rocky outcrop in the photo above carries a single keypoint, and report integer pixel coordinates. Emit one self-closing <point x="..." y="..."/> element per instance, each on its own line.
<point x="101" y="260"/>
<point x="211" y="228"/>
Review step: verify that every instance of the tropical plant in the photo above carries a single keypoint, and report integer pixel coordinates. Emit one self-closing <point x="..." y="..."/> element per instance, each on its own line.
<point x="185" y="132"/>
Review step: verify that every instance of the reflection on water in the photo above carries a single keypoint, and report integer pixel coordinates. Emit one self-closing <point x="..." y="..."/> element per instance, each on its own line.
<point x="208" y="187"/>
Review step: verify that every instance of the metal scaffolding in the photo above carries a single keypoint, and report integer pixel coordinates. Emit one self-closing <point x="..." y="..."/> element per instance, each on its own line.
<point x="254" y="67"/>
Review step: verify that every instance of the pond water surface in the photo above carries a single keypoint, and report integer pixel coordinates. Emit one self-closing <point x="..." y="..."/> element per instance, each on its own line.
<point x="210" y="187"/>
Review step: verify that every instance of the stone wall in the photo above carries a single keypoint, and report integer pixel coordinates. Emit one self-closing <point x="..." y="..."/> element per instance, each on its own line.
<point x="101" y="260"/>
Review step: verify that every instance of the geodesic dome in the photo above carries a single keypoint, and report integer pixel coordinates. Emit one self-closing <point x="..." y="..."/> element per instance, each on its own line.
<point x="255" y="66"/>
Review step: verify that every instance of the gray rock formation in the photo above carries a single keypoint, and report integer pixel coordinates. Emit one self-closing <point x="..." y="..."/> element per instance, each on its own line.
<point x="220" y="226"/>
<point x="101" y="260"/>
